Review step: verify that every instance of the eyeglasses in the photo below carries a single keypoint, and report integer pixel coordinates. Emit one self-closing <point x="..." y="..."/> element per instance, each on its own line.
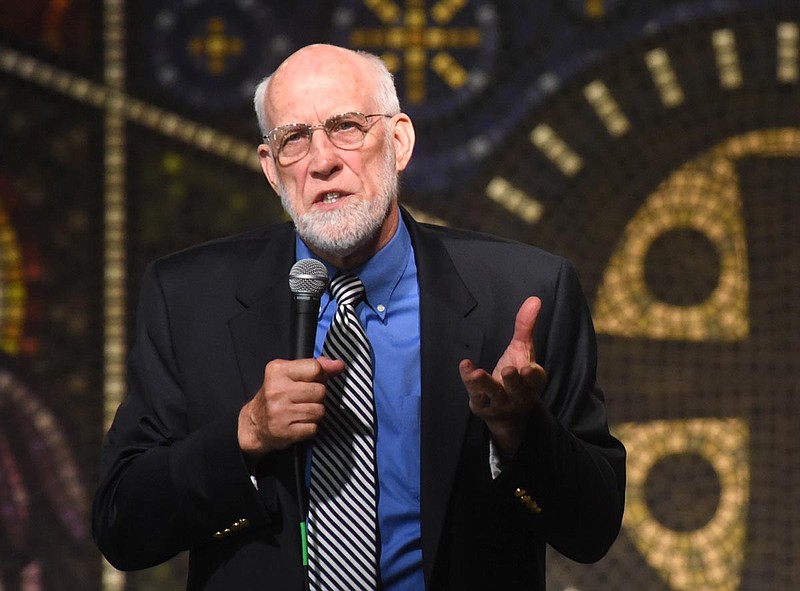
<point x="346" y="131"/>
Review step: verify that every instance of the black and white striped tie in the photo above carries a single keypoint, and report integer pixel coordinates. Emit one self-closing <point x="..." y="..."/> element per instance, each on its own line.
<point x="342" y="517"/>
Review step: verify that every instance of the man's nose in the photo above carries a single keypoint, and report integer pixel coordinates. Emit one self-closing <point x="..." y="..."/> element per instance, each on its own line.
<point x="322" y="153"/>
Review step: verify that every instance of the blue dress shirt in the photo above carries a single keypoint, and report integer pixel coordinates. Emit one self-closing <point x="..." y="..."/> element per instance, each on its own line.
<point x="390" y="317"/>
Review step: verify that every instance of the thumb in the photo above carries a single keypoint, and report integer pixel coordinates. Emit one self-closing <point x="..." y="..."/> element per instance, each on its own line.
<point x="524" y="324"/>
<point x="331" y="367"/>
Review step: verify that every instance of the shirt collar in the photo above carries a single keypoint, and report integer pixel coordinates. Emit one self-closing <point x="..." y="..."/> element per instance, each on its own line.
<point x="380" y="274"/>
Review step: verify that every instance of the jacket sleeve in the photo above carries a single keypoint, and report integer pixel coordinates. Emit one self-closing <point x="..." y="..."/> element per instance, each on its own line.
<point x="568" y="477"/>
<point x="163" y="488"/>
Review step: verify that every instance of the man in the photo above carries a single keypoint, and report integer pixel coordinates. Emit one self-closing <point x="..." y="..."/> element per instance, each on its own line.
<point x="476" y="470"/>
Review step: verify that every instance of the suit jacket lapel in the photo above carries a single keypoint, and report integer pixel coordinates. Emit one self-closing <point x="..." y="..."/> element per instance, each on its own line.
<point x="261" y="331"/>
<point x="449" y="333"/>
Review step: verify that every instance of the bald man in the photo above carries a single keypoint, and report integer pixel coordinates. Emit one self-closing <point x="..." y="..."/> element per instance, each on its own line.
<point x="491" y="438"/>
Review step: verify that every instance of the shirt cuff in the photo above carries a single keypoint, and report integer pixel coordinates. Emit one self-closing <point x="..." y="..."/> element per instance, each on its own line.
<point x="496" y="460"/>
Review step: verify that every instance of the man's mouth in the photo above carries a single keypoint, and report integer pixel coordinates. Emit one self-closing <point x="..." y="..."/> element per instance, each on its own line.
<point x="331" y="197"/>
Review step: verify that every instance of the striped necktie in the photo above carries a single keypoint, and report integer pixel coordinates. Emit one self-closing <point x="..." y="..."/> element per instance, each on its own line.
<point x="342" y="517"/>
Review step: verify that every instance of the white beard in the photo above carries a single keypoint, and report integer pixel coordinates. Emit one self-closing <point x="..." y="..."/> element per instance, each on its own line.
<point x="344" y="230"/>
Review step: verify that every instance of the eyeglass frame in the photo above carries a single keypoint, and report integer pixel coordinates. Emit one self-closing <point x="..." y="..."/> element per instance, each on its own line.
<point x="269" y="137"/>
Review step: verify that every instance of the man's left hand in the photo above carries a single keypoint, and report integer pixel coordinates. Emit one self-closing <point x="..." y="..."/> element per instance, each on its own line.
<point x="506" y="398"/>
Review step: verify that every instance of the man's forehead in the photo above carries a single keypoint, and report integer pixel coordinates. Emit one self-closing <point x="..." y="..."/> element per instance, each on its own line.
<point x="317" y="57"/>
<point x="327" y="79"/>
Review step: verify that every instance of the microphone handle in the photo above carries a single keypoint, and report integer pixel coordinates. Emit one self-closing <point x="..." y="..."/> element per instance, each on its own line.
<point x="305" y="310"/>
<point x="304" y="327"/>
<point x="299" y="483"/>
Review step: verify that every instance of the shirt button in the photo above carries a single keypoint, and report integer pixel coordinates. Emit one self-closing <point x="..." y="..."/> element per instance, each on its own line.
<point x="381" y="308"/>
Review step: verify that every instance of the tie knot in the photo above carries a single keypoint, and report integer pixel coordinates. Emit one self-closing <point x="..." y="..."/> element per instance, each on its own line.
<point x="347" y="289"/>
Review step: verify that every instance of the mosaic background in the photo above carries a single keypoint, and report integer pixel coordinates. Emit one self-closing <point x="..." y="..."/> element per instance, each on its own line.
<point x="654" y="143"/>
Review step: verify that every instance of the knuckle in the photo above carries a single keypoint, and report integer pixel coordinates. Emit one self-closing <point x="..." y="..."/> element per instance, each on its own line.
<point x="273" y="366"/>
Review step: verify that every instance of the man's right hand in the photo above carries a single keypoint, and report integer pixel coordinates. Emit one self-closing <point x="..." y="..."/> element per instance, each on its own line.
<point x="289" y="405"/>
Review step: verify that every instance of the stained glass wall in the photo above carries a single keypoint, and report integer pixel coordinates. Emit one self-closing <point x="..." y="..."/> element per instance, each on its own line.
<point x="656" y="144"/>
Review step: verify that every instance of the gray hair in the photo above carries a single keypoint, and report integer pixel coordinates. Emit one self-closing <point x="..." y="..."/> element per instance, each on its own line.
<point x="385" y="96"/>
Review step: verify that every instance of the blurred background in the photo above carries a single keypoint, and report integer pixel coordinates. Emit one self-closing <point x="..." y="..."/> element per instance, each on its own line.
<point x="654" y="143"/>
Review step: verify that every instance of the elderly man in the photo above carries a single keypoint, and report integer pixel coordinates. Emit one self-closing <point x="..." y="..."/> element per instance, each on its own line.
<point x="448" y="425"/>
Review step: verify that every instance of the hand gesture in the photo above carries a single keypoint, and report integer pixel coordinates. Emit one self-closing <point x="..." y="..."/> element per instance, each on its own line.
<point x="506" y="398"/>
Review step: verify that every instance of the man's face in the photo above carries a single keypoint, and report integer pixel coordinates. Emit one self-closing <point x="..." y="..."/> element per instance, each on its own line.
<point x="343" y="201"/>
<point x="341" y="228"/>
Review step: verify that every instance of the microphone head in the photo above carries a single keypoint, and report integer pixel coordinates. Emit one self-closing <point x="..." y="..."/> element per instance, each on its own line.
<point x="308" y="278"/>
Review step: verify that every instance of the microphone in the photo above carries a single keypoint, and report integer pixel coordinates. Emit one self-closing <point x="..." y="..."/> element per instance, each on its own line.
<point x="308" y="280"/>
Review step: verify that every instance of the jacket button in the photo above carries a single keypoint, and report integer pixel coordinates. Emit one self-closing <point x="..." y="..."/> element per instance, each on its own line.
<point x="524" y="498"/>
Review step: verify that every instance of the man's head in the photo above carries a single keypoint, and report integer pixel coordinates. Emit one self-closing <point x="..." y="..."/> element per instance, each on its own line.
<point x="337" y="180"/>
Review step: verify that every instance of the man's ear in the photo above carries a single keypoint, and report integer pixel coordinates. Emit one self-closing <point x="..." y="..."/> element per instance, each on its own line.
<point x="268" y="165"/>
<point x="404" y="139"/>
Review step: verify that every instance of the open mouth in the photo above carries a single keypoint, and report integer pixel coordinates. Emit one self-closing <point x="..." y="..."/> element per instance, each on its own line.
<point x="331" y="197"/>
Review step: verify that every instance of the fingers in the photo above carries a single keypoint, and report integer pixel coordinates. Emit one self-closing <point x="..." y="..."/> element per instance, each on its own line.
<point x="475" y="379"/>
<point x="481" y="387"/>
<point x="516" y="385"/>
<point x="513" y="382"/>
<point x="289" y="405"/>
<point x="318" y="370"/>
<point x="519" y="383"/>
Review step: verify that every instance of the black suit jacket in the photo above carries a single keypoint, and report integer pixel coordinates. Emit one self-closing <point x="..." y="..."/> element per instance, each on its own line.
<point x="209" y="320"/>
